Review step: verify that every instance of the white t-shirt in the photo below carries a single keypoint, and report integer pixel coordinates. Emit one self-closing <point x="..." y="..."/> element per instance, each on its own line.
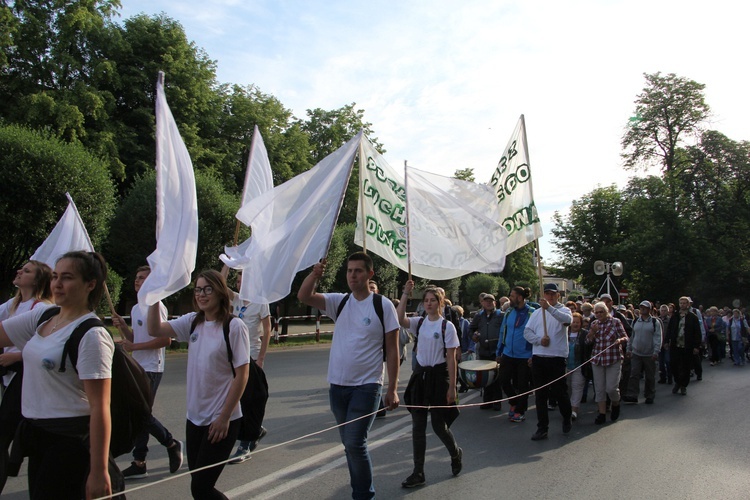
<point x="5" y="313"/>
<point x="430" y="341"/>
<point x="152" y="360"/>
<point x="208" y="372"/>
<point x="357" y="349"/>
<point x="48" y="393"/>
<point x="252" y="315"/>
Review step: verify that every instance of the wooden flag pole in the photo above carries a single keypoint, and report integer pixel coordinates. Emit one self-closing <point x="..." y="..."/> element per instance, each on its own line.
<point x="363" y="221"/>
<point x="545" y="338"/>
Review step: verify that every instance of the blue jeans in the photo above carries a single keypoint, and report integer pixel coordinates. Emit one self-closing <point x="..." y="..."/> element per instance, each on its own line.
<point x="153" y="426"/>
<point x="738" y="352"/>
<point x="348" y="403"/>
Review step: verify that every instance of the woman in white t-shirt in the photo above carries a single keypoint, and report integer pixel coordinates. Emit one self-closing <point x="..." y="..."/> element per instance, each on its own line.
<point x="433" y="382"/>
<point x="67" y="425"/>
<point x="213" y="393"/>
<point x="32" y="282"/>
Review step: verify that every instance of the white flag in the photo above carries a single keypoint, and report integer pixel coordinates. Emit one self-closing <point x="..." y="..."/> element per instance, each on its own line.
<point x="511" y="182"/>
<point x="69" y="235"/>
<point x="258" y="180"/>
<point x="453" y="228"/>
<point x="292" y="225"/>
<point x="383" y="202"/>
<point x="173" y="261"/>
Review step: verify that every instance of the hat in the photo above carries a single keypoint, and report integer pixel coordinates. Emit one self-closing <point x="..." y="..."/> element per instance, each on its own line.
<point x="550" y="287"/>
<point x="605" y="296"/>
<point x="621" y="308"/>
<point x="645" y="303"/>
<point x="488" y="296"/>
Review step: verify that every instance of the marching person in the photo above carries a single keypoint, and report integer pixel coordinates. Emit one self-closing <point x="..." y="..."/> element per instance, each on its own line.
<point x="213" y="394"/>
<point x="66" y="424"/>
<point x="485" y="327"/>
<point x="433" y="383"/>
<point x="149" y="353"/>
<point x="355" y="366"/>
<point x="33" y="283"/>
<point x="643" y="351"/>
<point x="684" y="336"/>
<point x="255" y="317"/>
<point x="549" y="354"/>
<point x="607" y="333"/>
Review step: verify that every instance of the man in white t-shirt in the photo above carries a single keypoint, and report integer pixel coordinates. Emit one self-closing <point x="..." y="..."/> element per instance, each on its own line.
<point x="255" y="317"/>
<point x="355" y="367"/>
<point x="149" y="353"/>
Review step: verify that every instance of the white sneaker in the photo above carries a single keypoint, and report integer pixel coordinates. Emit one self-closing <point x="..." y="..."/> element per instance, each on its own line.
<point x="242" y="454"/>
<point x="573" y="415"/>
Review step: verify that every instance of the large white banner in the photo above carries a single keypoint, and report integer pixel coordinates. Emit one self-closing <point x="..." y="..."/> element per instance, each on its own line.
<point x="292" y="225"/>
<point x="69" y="235"/>
<point x="511" y="182"/>
<point x="173" y="261"/>
<point x="383" y="199"/>
<point x="258" y="180"/>
<point x="452" y="227"/>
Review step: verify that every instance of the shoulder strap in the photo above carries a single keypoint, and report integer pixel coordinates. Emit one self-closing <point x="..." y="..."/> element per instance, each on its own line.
<point x="377" y="303"/>
<point x="70" y="349"/>
<point x="230" y="354"/>
<point x="445" y="349"/>
<point x="342" y="304"/>
<point x="47" y="314"/>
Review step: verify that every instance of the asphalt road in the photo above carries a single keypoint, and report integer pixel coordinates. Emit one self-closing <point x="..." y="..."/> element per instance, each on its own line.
<point x="685" y="447"/>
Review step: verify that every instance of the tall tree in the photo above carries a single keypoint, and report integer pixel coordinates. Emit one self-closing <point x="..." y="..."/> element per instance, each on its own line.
<point x="669" y="109"/>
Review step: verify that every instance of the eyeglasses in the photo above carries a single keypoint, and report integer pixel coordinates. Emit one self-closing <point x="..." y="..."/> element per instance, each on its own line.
<point x="205" y="290"/>
<point x="242" y="312"/>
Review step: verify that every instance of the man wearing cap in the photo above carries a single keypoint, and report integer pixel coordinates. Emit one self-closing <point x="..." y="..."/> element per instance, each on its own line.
<point x="547" y="332"/>
<point x="615" y="312"/>
<point x="643" y="351"/>
<point x="485" y="330"/>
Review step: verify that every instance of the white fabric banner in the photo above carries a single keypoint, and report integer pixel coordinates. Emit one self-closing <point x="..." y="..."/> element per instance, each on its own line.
<point x="173" y="261"/>
<point x="511" y="182"/>
<point x="292" y="225"/>
<point x="453" y="228"/>
<point x="69" y="235"/>
<point x="258" y="180"/>
<point x="383" y="198"/>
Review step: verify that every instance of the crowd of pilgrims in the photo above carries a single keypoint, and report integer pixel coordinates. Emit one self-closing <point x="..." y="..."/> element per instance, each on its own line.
<point x="61" y="423"/>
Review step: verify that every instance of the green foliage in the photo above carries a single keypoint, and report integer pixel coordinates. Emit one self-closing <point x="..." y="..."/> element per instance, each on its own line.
<point x="669" y="108"/>
<point x="520" y="270"/>
<point x="465" y="174"/>
<point x="478" y="283"/>
<point x="37" y="170"/>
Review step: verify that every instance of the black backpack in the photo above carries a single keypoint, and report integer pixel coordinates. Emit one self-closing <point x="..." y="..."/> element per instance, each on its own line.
<point x="377" y="303"/>
<point x="255" y="395"/>
<point x="130" y="399"/>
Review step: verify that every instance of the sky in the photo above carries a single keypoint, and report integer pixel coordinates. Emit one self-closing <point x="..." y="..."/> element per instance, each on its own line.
<point x="444" y="82"/>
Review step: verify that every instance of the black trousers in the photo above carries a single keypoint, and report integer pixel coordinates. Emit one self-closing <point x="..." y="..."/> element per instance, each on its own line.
<point x="681" y="362"/>
<point x="419" y="435"/>
<point x="201" y="452"/>
<point x="515" y="378"/>
<point x="545" y="370"/>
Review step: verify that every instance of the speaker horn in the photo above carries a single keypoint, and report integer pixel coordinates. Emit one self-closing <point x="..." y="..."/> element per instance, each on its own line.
<point x="600" y="267"/>
<point x="617" y="268"/>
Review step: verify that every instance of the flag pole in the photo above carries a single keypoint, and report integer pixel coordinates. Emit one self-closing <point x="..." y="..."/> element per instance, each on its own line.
<point x="362" y="195"/>
<point x="536" y="240"/>
<point x="88" y="238"/>
<point x="408" y="233"/>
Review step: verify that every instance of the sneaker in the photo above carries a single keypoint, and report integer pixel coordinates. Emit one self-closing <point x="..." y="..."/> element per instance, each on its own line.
<point x="630" y="399"/>
<point x="175" y="457"/>
<point x="456" y="464"/>
<point x="511" y="412"/>
<point x="416" y="479"/>
<point x="675" y="389"/>
<point x="539" y="435"/>
<point x="573" y="416"/>
<point x="135" y="471"/>
<point x="240" y="455"/>
<point x="518" y="417"/>
<point x="649" y="401"/>
<point x="567" y="425"/>
<point x="683" y="391"/>
<point x="600" y="418"/>
<point x="254" y="444"/>
<point x="615" y="414"/>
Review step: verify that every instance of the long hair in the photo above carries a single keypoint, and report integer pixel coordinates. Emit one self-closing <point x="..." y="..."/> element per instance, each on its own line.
<point x="42" y="290"/>
<point x="219" y="284"/>
<point x="92" y="267"/>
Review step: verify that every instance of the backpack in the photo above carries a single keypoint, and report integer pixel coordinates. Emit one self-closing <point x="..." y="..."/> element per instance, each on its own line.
<point x="416" y="336"/>
<point x="377" y="303"/>
<point x="130" y="399"/>
<point x="255" y="395"/>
